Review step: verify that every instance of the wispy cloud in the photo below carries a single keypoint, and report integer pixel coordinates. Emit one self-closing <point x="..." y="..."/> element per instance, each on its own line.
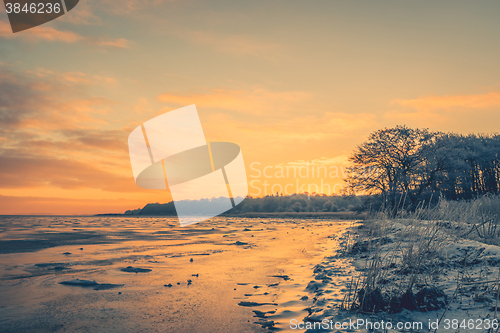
<point x="477" y="101"/>
<point x="420" y="118"/>
<point x="31" y="171"/>
<point x="20" y="98"/>
<point x="83" y="15"/>
<point x="291" y="130"/>
<point x="254" y="101"/>
<point x="120" y="43"/>
<point x="341" y="160"/>
<point x="131" y="7"/>
<point x="82" y="78"/>
<point x="239" y="45"/>
<point x="40" y="33"/>
<point x="69" y="78"/>
<point x="49" y="34"/>
<point x="324" y="126"/>
<point x="47" y="101"/>
<point x="433" y="109"/>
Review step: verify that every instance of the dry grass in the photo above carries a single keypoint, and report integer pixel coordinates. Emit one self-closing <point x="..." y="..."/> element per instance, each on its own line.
<point x="416" y="242"/>
<point x="413" y="247"/>
<point x="477" y="219"/>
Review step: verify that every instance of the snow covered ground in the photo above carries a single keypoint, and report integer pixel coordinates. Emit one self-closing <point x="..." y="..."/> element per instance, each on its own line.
<point x="409" y="272"/>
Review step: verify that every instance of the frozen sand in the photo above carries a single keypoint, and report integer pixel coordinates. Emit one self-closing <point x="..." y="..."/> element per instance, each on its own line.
<point x="147" y="262"/>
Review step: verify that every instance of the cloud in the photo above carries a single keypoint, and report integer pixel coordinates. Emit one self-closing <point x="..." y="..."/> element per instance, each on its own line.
<point x="478" y="101"/>
<point x="19" y="98"/>
<point x="254" y="101"/>
<point x="82" y="15"/>
<point x="69" y="78"/>
<point x="49" y="34"/>
<point x="424" y="117"/>
<point x="291" y="130"/>
<point x="324" y="126"/>
<point x="115" y="140"/>
<point x="342" y="160"/>
<point x="46" y="101"/>
<point x="130" y="7"/>
<point x="239" y="45"/>
<point x="77" y="142"/>
<point x="433" y="109"/>
<point x="32" y="171"/>
<point x="40" y="33"/>
<point x="121" y="43"/>
<point x="37" y="106"/>
<point x="82" y="78"/>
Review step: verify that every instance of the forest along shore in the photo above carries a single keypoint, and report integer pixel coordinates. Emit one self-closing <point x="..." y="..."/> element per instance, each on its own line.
<point x="435" y="266"/>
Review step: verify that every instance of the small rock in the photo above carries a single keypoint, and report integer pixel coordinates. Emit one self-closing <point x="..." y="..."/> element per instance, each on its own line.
<point x="267" y="324"/>
<point x="136" y="270"/>
<point x="314" y="286"/>
<point x="259" y="314"/>
<point x="79" y="282"/>
<point x="59" y="268"/>
<point x="249" y="304"/>
<point x="284" y="277"/>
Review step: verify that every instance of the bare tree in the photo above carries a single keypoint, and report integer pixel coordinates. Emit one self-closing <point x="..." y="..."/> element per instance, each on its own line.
<point x="391" y="162"/>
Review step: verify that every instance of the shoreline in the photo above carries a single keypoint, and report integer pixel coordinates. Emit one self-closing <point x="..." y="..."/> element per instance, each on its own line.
<point x="302" y="215"/>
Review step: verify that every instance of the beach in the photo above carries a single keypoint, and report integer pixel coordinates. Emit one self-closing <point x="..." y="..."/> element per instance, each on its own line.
<point x="147" y="274"/>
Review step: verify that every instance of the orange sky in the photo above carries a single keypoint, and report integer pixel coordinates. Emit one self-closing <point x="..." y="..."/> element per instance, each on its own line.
<point x="293" y="83"/>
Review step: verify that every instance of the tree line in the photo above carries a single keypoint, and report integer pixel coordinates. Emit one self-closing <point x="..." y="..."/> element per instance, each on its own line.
<point x="269" y="204"/>
<point x="405" y="167"/>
